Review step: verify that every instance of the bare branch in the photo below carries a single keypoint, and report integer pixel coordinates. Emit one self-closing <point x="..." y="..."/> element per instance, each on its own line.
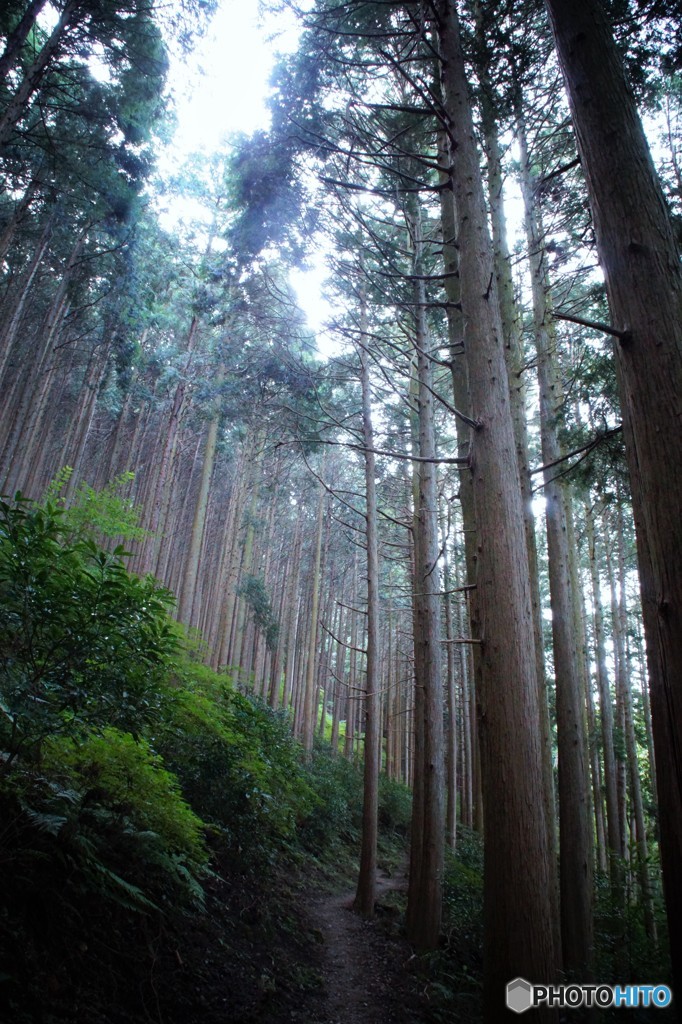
<point x="342" y="643"/>
<point x="585" y="448"/>
<point x="595" y="325"/>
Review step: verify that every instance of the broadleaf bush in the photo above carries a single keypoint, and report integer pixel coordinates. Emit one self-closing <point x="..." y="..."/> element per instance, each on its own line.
<point x="83" y="642"/>
<point x="132" y="777"/>
<point x="124" y="775"/>
<point x="395" y="806"/>
<point x="338" y="785"/>
<point x="237" y="763"/>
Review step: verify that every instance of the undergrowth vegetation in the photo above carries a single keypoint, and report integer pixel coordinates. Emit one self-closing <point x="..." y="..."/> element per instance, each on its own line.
<point x="155" y="821"/>
<point x="455" y="971"/>
<point x="142" y="797"/>
<point x="452" y="976"/>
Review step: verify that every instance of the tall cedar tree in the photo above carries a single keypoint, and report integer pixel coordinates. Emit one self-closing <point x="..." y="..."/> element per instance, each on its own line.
<point x="366" y="891"/>
<point x="518" y="882"/>
<point x="641" y="264"/>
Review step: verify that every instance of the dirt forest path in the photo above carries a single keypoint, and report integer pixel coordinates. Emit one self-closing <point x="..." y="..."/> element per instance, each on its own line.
<point x="364" y="966"/>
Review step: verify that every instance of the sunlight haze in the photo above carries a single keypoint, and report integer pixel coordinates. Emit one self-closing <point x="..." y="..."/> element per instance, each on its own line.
<point x="227" y="82"/>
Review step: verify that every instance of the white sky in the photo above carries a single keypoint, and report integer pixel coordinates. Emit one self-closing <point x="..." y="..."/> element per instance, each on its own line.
<point x="221" y="89"/>
<point x="223" y="86"/>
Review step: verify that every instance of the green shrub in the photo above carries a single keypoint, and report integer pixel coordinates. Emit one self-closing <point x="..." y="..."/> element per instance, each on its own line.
<point x="237" y="762"/>
<point x="104" y="819"/>
<point x="453" y="975"/>
<point x="83" y="642"/>
<point x="76" y="849"/>
<point x="469" y="850"/>
<point x="463" y="904"/>
<point x="337" y="815"/>
<point x="86" y="650"/>
<point x="622" y="948"/>
<point x="285" y="795"/>
<point x="100" y="514"/>
<point x="123" y="774"/>
<point x="463" y="899"/>
<point x="395" y="806"/>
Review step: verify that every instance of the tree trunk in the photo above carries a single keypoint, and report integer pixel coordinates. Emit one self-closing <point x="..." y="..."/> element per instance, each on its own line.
<point x="425" y="889"/>
<point x="516" y="369"/>
<point x="167" y="454"/>
<point x="366" y="890"/>
<point x="467" y="745"/>
<point x="274" y="693"/>
<point x="575" y="830"/>
<point x="639" y="256"/>
<point x="13" y="318"/>
<point x="451" y="745"/>
<point x="416" y="774"/>
<point x="18" y="104"/>
<point x="19" y="212"/>
<point x="87" y="402"/>
<point x="615" y="851"/>
<point x="27" y="410"/>
<point x="191" y="572"/>
<point x="308" y="710"/>
<point x="339" y="682"/>
<point x="518" y="872"/>
<point x="351" y="702"/>
<point x="292" y="635"/>
<point x="618" y="627"/>
<point x="460" y="391"/>
<point x="18" y="36"/>
<point x="631" y="742"/>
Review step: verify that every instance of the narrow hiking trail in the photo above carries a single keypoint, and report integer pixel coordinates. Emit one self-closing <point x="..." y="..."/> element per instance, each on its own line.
<point x="365" y="964"/>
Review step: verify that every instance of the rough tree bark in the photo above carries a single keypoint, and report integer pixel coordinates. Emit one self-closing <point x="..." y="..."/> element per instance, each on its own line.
<point x="191" y="572"/>
<point x="615" y="850"/>
<point x="575" y="828"/>
<point x="308" y="709"/>
<point x="451" y="691"/>
<point x="425" y="886"/>
<point x="518" y="872"/>
<point x="366" y="890"/>
<point x="641" y="264"/>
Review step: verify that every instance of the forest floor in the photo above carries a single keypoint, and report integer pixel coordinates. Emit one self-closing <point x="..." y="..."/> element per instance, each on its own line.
<point x="297" y="954"/>
<point x="284" y="949"/>
<point x="365" y="965"/>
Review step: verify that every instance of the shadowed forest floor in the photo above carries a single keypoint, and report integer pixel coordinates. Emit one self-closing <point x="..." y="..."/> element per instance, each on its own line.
<point x="290" y="954"/>
<point x="364" y="965"/>
<point x="296" y="955"/>
<point x="324" y="964"/>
